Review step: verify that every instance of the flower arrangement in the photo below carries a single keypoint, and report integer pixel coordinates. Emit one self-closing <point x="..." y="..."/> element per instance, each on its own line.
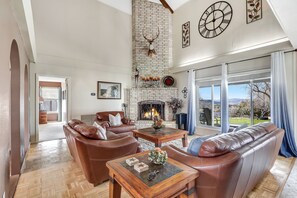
<point x="175" y="104"/>
<point x="158" y="123"/>
<point x="157" y="156"/>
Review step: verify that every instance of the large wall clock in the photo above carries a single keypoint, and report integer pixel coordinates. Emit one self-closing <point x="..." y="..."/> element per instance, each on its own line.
<point x="215" y="19"/>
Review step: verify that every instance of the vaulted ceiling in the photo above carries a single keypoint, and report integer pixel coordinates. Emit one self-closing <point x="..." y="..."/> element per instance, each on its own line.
<point x="285" y="12"/>
<point x="126" y="5"/>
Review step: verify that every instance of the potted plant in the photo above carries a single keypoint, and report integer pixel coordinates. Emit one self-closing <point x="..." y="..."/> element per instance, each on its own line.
<point x="175" y="104"/>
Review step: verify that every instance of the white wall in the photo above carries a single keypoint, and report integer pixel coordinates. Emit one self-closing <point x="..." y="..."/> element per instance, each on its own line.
<point x="9" y="31"/>
<point x="83" y="31"/>
<point x="85" y="41"/>
<point x="238" y="34"/>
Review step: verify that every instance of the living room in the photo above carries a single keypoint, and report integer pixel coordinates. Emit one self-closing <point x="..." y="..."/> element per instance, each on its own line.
<point x="91" y="41"/>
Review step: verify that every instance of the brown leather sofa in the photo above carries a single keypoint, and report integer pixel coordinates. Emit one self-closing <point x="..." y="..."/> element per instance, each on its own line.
<point x="92" y="154"/>
<point x="231" y="164"/>
<point x="103" y="118"/>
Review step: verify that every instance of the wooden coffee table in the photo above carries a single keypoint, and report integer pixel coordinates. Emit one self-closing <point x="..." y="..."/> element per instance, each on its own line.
<point x="164" y="135"/>
<point x="180" y="183"/>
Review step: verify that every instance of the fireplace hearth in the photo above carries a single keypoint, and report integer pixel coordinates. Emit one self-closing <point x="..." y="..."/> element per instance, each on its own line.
<point x="148" y="109"/>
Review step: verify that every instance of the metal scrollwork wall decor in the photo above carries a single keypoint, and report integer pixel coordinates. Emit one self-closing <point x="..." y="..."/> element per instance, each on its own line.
<point x="253" y="10"/>
<point x="186" y="34"/>
<point x="185" y="92"/>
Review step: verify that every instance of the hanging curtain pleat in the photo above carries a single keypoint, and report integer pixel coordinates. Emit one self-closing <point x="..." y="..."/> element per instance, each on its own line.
<point x="224" y="100"/>
<point x="191" y="118"/>
<point x="279" y="104"/>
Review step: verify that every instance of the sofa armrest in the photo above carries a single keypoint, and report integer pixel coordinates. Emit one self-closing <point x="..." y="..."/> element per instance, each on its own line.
<point x="128" y="121"/>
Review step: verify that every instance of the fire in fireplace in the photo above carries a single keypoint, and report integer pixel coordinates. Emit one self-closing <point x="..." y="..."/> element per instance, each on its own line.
<point x="149" y="108"/>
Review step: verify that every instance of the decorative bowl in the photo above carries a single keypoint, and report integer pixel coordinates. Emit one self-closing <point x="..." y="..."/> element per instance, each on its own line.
<point x="158" y="127"/>
<point x="157" y="156"/>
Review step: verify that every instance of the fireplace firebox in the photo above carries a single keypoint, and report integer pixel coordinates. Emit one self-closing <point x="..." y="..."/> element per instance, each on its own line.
<point x="149" y="108"/>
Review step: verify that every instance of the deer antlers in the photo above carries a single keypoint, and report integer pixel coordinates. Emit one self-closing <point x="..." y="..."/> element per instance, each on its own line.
<point x="151" y="51"/>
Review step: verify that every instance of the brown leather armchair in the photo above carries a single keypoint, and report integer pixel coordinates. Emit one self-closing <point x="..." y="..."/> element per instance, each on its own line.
<point x="231" y="164"/>
<point x="103" y="118"/>
<point x="92" y="154"/>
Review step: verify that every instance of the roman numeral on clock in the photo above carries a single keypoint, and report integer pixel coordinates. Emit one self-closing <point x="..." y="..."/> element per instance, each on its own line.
<point x="226" y="21"/>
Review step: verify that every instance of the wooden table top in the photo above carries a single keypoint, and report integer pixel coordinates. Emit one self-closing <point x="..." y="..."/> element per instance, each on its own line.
<point x="134" y="185"/>
<point x="164" y="132"/>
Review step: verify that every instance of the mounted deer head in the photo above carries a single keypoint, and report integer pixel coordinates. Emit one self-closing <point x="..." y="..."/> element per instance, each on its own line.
<point x="151" y="51"/>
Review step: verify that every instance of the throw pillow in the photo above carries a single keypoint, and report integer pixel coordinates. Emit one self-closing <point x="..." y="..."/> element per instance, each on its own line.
<point x="196" y="143"/>
<point x="101" y="130"/>
<point x="88" y="131"/>
<point x="115" y="120"/>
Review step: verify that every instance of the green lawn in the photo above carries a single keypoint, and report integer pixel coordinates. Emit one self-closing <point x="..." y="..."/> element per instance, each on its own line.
<point x="242" y="120"/>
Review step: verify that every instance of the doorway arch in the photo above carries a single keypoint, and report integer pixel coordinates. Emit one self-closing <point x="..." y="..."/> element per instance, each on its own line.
<point x="15" y="159"/>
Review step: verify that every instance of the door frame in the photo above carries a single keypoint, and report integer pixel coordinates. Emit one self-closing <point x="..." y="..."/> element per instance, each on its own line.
<point x="68" y="100"/>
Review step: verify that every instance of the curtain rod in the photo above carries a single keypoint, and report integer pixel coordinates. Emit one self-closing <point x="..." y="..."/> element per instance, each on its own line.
<point x="239" y="61"/>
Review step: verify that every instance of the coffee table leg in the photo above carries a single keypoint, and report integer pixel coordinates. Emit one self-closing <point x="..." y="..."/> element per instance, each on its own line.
<point x="190" y="192"/>
<point x="185" y="140"/>
<point x="114" y="188"/>
<point x="158" y="144"/>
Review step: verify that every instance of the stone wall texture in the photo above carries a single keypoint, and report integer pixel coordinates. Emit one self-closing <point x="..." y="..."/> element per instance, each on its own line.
<point x="147" y="17"/>
<point x="136" y="95"/>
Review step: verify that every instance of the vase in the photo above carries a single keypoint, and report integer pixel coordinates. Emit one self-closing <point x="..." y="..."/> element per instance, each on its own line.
<point x="174" y="111"/>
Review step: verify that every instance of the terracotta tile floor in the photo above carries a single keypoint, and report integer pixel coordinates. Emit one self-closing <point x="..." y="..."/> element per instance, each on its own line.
<point x="49" y="171"/>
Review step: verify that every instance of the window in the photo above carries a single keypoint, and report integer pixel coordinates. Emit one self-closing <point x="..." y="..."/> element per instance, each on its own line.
<point x="205" y="106"/>
<point x="249" y="102"/>
<point x="210" y="106"/>
<point x="50" y="97"/>
<point x="239" y="104"/>
<point x="261" y="101"/>
<point x="217" y="105"/>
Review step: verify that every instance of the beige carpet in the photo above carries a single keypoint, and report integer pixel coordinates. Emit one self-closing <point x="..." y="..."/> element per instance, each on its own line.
<point x="51" y="172"/>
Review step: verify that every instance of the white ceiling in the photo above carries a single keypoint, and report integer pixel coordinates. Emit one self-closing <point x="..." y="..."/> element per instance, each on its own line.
<point x="126" y="5"/>
<point x="285" y="12"/>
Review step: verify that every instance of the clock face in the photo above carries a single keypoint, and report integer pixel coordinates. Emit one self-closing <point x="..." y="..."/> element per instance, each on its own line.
<point x="215" y="19"/>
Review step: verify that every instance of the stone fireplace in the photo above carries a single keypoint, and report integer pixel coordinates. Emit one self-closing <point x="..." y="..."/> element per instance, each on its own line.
<point x="145" y="101"/>
<point x="148" y="109"/>
<point x="136" y="96"/>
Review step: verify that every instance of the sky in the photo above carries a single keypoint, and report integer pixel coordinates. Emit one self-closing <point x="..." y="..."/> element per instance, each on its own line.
<point x="234" y="91"/>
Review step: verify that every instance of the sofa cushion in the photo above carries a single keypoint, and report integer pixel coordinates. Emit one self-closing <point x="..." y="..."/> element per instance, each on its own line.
<point x="268" y="127"/>
<point x="224" y="143"/>
<point x="115" y="120"/>
<point x="196" y="143"/>
<point x="101" y="130"/>
<point x="89" y="131"/>
<point x="255" y="131"/>
<point x="240" y="127"/>
<point x="104" y="116"/>
<point x="72" y="123"/>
